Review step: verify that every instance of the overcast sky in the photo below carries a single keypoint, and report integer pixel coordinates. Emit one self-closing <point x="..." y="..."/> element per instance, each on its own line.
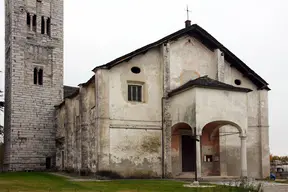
<point x="254" y="30"/>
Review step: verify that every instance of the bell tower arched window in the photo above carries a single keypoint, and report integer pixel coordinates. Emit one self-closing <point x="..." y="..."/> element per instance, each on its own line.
<point x="38" y="76"/>
<point x="35" y="75"/>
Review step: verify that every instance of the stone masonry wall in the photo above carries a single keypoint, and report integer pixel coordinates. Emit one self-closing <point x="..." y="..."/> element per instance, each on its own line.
<point x="76" y="132"/>
<point x="29" y="110"/>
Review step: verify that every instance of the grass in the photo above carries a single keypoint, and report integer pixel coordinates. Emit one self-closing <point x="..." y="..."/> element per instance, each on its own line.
<point x="44" y="182"/>
<point x="281" y="181"/>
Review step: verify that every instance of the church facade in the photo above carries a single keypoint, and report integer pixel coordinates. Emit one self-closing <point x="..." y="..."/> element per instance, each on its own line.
<point x="140" y="113"/>
<point x="182" y="104"/>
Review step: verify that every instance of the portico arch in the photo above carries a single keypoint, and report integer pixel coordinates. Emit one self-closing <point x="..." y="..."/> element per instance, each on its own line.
<point x="181" y="125"/>
<point x="218" y="124"/>
<point x="183" y="150"/>
<point x="210" y="148"/>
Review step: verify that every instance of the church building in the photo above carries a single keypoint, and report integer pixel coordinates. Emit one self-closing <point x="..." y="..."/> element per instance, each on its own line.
<point x="140" y="113"/>
<point x="182" y="104"/>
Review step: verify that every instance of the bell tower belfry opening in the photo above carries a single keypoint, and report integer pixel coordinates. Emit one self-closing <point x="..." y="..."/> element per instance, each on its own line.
<point x="33" y="81"/>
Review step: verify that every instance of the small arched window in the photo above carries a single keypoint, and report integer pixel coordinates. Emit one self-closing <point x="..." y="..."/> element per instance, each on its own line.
<point x="40" y="77"/>
<point x="48" y="26"/>
<point x="28" y="19"/>
<point x="35" y="75"/>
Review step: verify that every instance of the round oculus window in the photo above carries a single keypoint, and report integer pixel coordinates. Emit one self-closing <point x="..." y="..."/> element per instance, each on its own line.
<point x="135" y="70"/>
<point x="237" y="81"/>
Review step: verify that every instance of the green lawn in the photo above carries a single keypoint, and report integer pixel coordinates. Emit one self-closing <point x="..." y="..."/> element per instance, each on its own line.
<point x="44" y="182"/>
<point x="281" y="181"/>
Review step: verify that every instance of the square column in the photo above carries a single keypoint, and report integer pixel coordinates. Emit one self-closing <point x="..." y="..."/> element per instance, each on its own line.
<point x="198" y="157"/>
<point x="243" y="157"/>
<point x="45" y="25"/>
<point x="31" y="21"/>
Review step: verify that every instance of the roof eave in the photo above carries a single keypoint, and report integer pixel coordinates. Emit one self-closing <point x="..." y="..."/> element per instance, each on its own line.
<point x="60" y="105"/>
<point x="91" y="80"/>
<point x="180" y="90"/>
<point x="228" y="53"/>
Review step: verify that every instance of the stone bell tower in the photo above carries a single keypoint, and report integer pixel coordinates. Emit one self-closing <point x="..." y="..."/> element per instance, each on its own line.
<point x="33" y="82"/>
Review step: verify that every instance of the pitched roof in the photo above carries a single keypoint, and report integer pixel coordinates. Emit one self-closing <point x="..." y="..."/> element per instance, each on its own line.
<point x="205" y="38"/>
<point x="91" y="80"/>
<point x="70" y="91"/>
<point x="206" y="82"/>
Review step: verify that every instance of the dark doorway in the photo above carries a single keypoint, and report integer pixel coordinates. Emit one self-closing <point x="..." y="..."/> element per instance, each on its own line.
<point x="62" y="157"/>
<point x="48" y="163"/>
<point x="188" y="154"/>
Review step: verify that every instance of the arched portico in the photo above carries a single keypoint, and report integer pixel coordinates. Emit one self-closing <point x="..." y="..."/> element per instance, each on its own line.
<point x="183" y="149"/>
<point x="201" y="107"/>
<point x="209" y="164"/>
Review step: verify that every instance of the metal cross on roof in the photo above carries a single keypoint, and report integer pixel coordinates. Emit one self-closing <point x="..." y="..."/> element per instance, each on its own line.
<point x="187" y="10"/>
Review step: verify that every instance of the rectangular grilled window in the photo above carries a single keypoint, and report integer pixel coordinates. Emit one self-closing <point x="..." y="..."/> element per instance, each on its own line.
<point x="135" y="93"/>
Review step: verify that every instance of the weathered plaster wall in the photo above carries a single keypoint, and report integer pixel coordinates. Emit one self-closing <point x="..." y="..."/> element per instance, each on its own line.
<point x="220" y="105"/>
<point x="76" y="123"/>
<point x="133" y="118"/>
<point x="258" y="126"/>
<point x="150" y="76"/>
<point x="230" y="146"/>
<point x="72" y="137"/>
<point x="183" y="108"/>
<point x="210" y="146"/>
<point x="135" y="152"/>
<point x="60" y="116"/>
<point x="176" y="152"/>
<point x="88" y="129"/>
<point x="102" y="90"/>
<point x="190" y="59"/>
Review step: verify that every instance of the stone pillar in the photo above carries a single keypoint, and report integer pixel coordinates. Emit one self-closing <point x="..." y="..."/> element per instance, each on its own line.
<point x="167" y="122"/>
<point x="45" y="25"/>
<point x="223" y="149"/>
<point x="198" y="157"/>
<point x="243" y="157"/>
<point x="31" y="22"/>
